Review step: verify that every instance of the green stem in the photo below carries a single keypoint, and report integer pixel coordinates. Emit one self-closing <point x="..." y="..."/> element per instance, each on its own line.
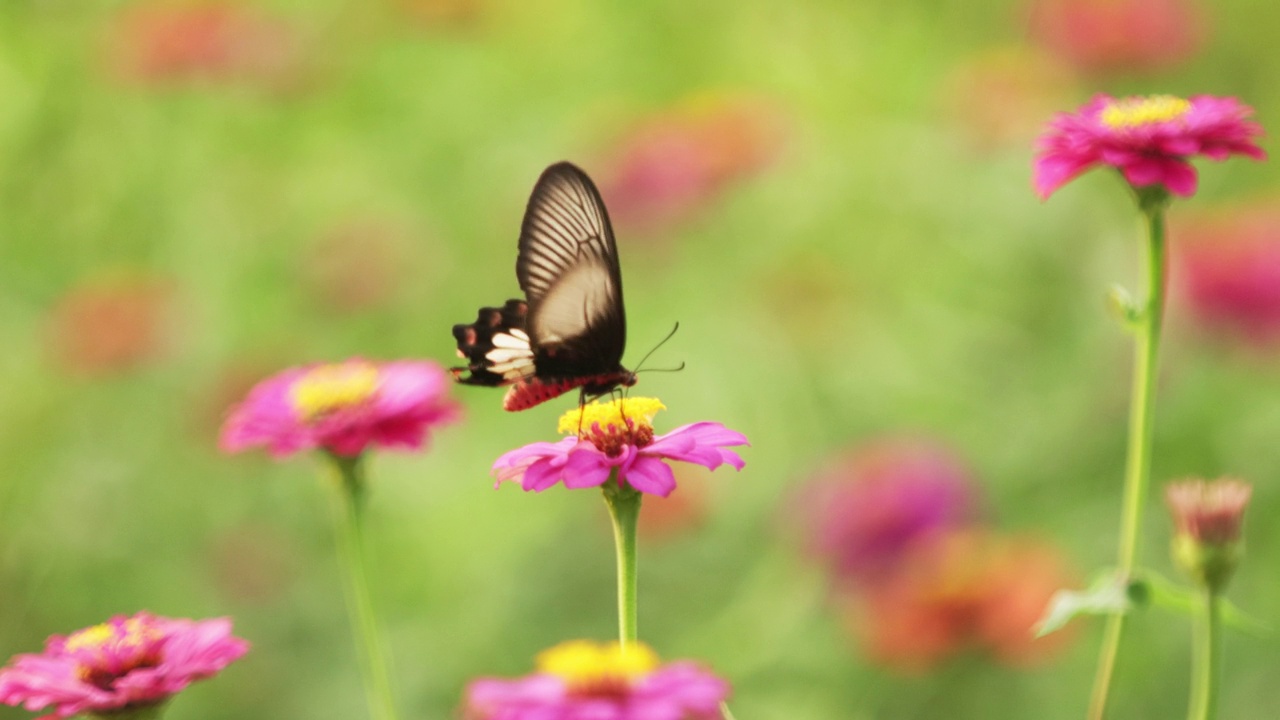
<point x="372" y="655"/>
<point x="624" y="508"/>
<point x="724" y="712"/>
<point x="1141" y="432"/>
<point x="1208" y="660"/>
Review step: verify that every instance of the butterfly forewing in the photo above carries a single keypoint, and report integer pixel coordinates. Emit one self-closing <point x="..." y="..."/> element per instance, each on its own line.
<point x="568" y="269"/>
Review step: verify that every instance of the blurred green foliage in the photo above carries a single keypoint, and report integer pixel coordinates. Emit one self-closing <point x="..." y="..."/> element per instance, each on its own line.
<point x="885" y="274"/>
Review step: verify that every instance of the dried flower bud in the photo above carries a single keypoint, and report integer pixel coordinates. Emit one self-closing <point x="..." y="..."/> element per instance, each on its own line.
<point x="1208" y="517"/>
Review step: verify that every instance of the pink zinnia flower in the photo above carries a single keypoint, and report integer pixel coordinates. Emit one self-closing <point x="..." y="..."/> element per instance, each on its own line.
<point x="1149" y="139"/>
<point x="124" y="664"/>
<point x="581" y="680"/>
<point x="618" y="435"/>
<point x="870" y="507"/>
<point x="343" y="408"/>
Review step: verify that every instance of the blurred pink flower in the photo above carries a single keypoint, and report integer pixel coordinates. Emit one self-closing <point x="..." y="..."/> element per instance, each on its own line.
<point x="124" y="664"/>
<point x="1227" y="270"/>
<point x="110" y="324"/>
<point x="582" y="680"/>
<point x="210" y="40"/>
<point x="343" y="408"/>
<point x="1119" y="35"/>
<point x="676" y="162"/>
<point x="1149" y="139"/>
<point x="960" y="591"/>
<point x="869" y="507"/>
<point x="618" y="436"/>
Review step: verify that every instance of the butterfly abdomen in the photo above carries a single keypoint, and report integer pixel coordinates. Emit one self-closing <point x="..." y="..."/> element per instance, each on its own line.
<point x="535" y="391"/>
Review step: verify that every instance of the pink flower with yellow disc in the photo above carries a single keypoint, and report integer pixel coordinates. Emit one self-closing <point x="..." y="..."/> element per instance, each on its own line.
<point x="125" y="665"/>
<point x="1149" y="139"/>
<point x="343" y="408"/>
<point x="583" y="680"/>
<point x="618" y="436"/>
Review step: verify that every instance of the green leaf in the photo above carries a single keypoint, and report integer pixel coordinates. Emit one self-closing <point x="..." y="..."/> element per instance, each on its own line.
<point x="1108" y="595"/>
<point x="1170" y="596"/>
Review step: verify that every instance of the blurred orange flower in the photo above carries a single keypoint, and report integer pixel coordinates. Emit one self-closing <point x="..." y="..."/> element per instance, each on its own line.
<point x="359" y="265"/>
<point x="965" y="590"/>
<point x="1119" y="35"/>
<point x="1020" y="87"/>
<point x="109" y="324"/>
<point x="214" y="41"/>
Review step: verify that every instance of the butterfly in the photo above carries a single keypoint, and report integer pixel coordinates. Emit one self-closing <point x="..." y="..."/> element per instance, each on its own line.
<point x="570" y="330"/>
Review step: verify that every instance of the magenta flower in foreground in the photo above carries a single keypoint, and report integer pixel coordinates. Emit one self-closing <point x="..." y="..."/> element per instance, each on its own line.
<point x="581" y="680"/>
<point x="125" y="664"/>
<point x="618" y="435"/>
<point x="1149" y="139"/>
<point x="343" y="408"/>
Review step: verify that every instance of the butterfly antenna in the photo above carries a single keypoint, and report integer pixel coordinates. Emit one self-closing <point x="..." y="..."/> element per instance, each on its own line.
<point x="677" y="368"/>
<point x="655" y="347"/>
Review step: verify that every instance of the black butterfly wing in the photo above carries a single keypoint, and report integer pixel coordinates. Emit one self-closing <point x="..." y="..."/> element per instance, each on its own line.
<point x="568" y="269"/>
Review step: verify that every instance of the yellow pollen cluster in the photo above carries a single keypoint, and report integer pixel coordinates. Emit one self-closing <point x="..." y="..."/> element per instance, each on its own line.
<point x="623" y="415"/>
<point x="332" y="387"/>
<point x="91" y="637"/>
<point x="598" y="669"/>
<point x="1138" y="111"/>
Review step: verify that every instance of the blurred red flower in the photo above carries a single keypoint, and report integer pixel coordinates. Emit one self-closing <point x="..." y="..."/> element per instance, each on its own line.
<point x="109" y="324"/>
<point x="214" y="41"/>
<point x="674" y="163"/>
<point x="1227" y="270"/>
<point x="1119" y="35"/>
<point x="962" y="591"/>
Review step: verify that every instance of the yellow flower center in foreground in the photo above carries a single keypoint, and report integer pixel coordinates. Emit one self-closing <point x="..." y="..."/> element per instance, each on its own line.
<point x="594" y="669"/>
<point x="327" y="388"/>
<point x="1138" y="111"/>
<point x="612" y="425"/>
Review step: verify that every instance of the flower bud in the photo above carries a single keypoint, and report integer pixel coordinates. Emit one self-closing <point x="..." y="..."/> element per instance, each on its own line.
<point x="1207" y="517"/>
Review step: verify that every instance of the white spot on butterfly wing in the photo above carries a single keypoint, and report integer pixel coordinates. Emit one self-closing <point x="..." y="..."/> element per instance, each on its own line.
<point x="511" y="341"/>
<point x="580" y="297"/>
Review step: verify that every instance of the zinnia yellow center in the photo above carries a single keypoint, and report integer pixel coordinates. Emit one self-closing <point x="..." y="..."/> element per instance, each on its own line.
<point x="1138" y="111"/>
<point x="611" y="426"/>
<point x="327" y="388"/>
<point x="595" y="669"/>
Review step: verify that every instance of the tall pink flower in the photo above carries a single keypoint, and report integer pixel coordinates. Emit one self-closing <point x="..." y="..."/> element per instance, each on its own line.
<point x="125" y="664"/>
<point x="618" y="435"/>
<point x="582" y="680"/>
<point x="343" y="408"/>
<point x="1150" y="140"/>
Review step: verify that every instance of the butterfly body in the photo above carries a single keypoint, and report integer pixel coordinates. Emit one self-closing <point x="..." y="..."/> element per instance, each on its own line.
<point x="570" y="331"/>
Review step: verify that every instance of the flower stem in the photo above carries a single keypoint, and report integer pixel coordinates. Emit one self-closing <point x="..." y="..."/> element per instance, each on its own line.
<point x="372" y="655"/>
<point x="1208" y="660"/>
<point x="624" y="508"/>
<point x="1141" y="433"/>
<point x="724" y="712"/>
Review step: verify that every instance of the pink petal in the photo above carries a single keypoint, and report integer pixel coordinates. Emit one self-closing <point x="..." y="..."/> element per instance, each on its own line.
<point x="651" y="475"/>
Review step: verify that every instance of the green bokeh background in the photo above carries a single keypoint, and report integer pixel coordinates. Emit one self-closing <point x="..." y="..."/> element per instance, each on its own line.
<point x="881" y="276"/>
